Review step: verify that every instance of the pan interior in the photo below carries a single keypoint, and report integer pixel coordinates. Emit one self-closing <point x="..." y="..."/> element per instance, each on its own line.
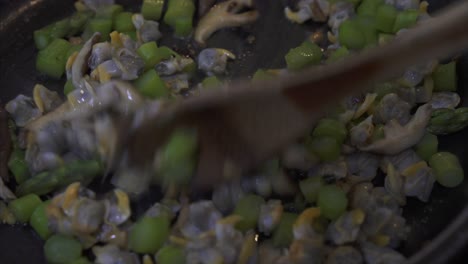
<point x="273" y="37"/>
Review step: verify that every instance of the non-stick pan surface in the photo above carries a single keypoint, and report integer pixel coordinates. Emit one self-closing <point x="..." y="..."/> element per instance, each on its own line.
<point x="439" y="228"/>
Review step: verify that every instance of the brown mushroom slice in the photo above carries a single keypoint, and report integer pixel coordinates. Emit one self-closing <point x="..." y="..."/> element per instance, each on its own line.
<point x="224" y="15"/>
<point x="398" y="138"/>
<point x="80" y="64"/>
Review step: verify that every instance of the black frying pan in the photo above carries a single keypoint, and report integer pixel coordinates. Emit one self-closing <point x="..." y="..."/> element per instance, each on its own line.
<point x="439" y="228"/>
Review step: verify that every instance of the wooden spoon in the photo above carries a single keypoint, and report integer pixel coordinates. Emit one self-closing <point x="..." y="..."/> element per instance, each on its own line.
<point x="248" y="122"/>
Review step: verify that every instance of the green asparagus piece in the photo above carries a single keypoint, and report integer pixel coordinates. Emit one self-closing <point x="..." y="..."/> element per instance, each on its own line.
<point x="24" y="207"/>
<point x="385" y="18"/>
<point x="427" y="146"/>
<point x="170" y="255"/>
<point x="60" y="28"/>
<point x="45" y="182"/>
<point x="81" y="260"/>
<point x="338" y="54"/>
<point x="211" y="82"/>
<point x="448" y="121"/>
<point x="283" y="234"/>
<point x="447" y="169"/>
<point x="39" y="221"/>
<point x="382" y="89"/>
<point x="378" y="134"/>
<point x="68" y="87"/>
<point x="248" y="207"/>
<point x="310" y="188"/>
<point x="179" y="16"/>
<point x="369" y="7"/>
<point x="78" y="22"/>
<point x="152" y="9"/>
<point x="52" y="59"/>
<point x="123" y="22"/>
<point x="385" y="38"/>
<point x="62" y="249"/>
<point x="177" y="161"/>
<point x="329" y="127"/>
<point x="148" y="234"/>
<point x="109" y="11"/>
<point x="262" y="74"/>
<point x="151" y="85"/>
<point x="445" y="77"/>
<point x="332" y="201"/>
<point x="368" y="28"/>
<point x="17" y="164"/>
<point x="351" y="35"/>
<point x="405" y="19"/>
<point x="326" y="148"/>
<point x="307" y="54"/>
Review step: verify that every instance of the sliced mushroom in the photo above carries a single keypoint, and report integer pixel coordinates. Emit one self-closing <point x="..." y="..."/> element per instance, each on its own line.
<point x="398" y="138"/>
<point x="80" y="64"/>
<point x="222" y="15"/>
